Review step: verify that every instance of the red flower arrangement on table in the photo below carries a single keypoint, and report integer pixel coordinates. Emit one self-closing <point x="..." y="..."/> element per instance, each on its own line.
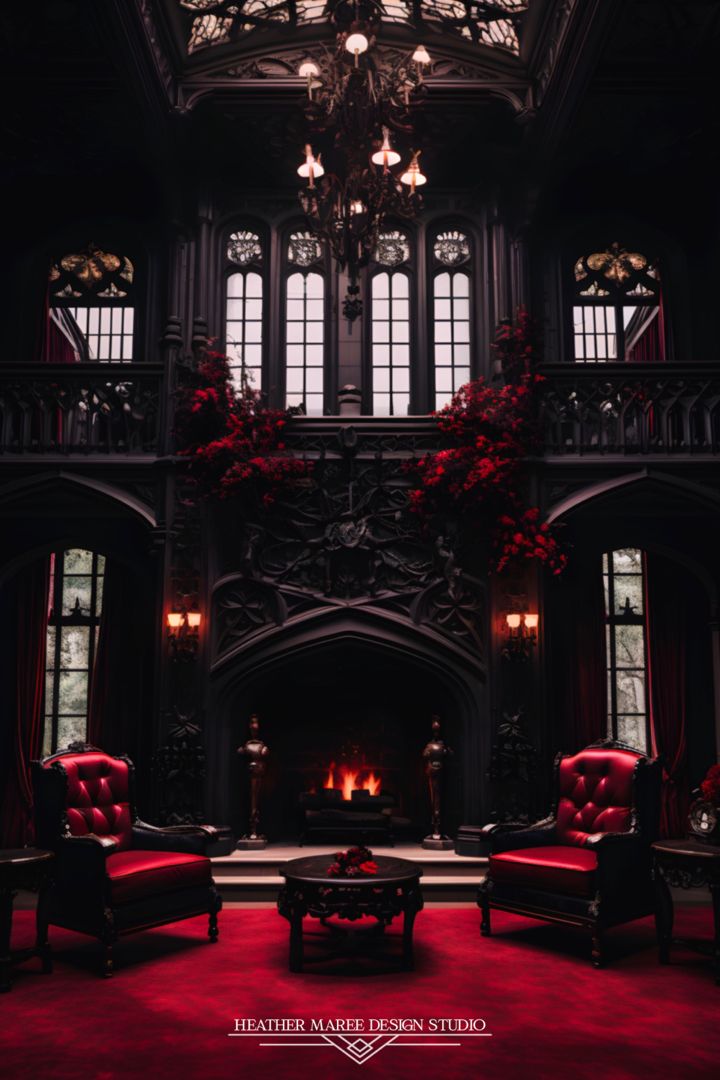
<point x="710" y="787"/>
<point x="479" y="476"/>
<point x="233" y="442"/>
<point x="355" y="862"/>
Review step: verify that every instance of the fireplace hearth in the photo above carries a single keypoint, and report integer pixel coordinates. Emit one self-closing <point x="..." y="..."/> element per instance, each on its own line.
<point x="364" y="818"/>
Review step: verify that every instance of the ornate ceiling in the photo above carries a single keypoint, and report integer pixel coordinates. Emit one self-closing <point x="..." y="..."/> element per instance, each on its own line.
<point x="211" y="23"/>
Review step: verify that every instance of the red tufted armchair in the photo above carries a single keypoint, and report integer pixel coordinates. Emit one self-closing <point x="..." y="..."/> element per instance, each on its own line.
<point x="114" y="873"/>
<point x="587" y="864"/>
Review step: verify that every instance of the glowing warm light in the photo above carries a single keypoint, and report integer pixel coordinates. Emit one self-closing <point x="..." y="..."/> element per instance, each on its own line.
<point x="386" y="156"/>
<point x="311" y="168"/>
<point x="413" y="177"/>
<point x="531" y="621"/>
<point x="174" y="620"/>
<point x="513" y="621"/>
<point x="307" y="69"/>
<point x="194" y="618"/>
<point x="356" y="44"/>
<point x="421" y="55"/>
<point x="349" y="779"/>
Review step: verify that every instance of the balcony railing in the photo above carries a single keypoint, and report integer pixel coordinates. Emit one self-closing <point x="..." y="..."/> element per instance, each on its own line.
<point x="81" y="409"/>
<point x="631" y="409"/>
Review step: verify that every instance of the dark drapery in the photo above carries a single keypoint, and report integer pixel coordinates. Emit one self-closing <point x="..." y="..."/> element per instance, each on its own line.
<point x="27" y="610"/>
<point x="577" y="655"/>
<point x="115" y="703"/>
<point x="666" y="623"/>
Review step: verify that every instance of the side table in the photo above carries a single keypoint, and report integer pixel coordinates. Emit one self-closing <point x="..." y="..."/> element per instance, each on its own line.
<point x="21" y="868"/>
<point x="685" y="864"/>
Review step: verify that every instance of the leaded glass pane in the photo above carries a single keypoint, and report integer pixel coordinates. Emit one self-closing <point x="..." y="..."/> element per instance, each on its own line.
<point x="390" y="309"/>
<point x="304" y="249"/>
<point x="451" y="248"/>
<point x="393" y="249"/>
<point x="305" y="338"/>
<point x="244" y="247"/>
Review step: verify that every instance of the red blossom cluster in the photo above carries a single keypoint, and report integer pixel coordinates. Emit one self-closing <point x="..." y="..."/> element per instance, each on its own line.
<point x="710" y="786"/>
<point x="355" y="862"/>
<point x="480" y="476"/>
<point x="234" y="443"/>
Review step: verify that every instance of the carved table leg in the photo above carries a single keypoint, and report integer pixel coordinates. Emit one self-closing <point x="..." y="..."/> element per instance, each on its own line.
<point x="296" y="940"/>
<point x="663" y="916"/>
<point x="42" y="921"/>
<point x="715" y="893"/>
<point x="6" y="908"/>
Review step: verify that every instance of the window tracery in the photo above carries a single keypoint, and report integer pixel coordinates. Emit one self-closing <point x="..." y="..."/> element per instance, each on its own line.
<point x="244" y="308"/>
<point x="91" y="313"/>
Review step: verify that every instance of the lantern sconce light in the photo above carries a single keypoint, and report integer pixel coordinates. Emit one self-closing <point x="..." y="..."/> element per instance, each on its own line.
<point x="183" y="633"/>
<point x="521" y="635"/>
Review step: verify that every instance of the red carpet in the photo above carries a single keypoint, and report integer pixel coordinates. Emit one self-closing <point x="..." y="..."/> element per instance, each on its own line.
<point x="168" y="1010"/>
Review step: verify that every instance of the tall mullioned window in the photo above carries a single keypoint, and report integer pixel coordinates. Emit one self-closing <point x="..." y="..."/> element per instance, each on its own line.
<point x="305" y="325"/>
<point x="626" y="646"/>
<point x="244" y="308"/>
<point x="451" y="264"/>
<point x="91" y="307"/>
<point x="617" y="309"/>
<point x="390" y="326"/>
<point x="76" y="591"/>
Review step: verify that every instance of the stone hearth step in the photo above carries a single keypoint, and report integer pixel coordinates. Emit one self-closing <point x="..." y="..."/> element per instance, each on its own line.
<point x="255" y="875"/>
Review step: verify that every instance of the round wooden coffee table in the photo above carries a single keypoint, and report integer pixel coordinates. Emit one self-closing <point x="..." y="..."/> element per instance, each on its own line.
<point x="685" y="864"/>
<point x="21" y="868"/>
<point x="308" y="890"/>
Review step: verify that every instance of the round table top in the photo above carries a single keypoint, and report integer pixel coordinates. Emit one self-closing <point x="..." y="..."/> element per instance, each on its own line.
<point x="690" y="847"/>
<point x="17" y="856"/>
<point x="313" y="869"/>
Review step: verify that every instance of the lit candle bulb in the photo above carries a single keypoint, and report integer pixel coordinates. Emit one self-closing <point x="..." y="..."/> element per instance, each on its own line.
<point x="385" y="156"/>
<point x="413" y="177"/>
<point x="308" y="70"/>
<point x="311" y="168"/>
<point x="356" y="44"/>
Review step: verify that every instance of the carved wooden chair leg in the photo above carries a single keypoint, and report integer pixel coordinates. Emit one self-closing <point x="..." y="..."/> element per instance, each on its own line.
<point x="485" y="929"/>
<point x="108" y="938"/>
<point x="213" y="927"/>
<point x="598" y="956"/>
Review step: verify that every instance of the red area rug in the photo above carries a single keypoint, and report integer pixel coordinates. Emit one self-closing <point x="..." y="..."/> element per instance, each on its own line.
<point x="174" y="999"/>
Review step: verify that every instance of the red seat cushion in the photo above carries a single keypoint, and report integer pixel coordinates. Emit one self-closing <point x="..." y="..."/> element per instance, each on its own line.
<point x="558" y="869"/>
<point x="136" y="874"/>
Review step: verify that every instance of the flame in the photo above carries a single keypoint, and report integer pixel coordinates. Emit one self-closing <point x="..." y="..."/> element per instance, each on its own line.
<point x="348" y="780"/>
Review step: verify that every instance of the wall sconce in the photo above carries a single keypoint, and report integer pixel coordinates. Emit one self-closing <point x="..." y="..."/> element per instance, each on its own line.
<point x="183" y="632"/>
<point x="522" y="635"/>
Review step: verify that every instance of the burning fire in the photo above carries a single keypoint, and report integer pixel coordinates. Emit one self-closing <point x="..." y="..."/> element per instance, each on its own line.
<point x="347" y="779"/>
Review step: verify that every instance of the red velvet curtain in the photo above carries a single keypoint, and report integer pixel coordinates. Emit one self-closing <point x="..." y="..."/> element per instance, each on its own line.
<point x="115" y="702"/>
<point x="666" y="603"/>
<point x="577" y="655"/>
<point x="27" y="608"/>
<point x="57" y="345"/>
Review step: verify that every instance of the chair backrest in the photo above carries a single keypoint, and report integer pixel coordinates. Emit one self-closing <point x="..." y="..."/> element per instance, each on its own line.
<point x="97" y="794"/>
<point x="595" y="792"/>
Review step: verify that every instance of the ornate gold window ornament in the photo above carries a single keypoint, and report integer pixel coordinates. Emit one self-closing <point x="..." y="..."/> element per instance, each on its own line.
<point x="244" y="248"/>
<point x="616" y="270"/>
<point x="92" y="271"/>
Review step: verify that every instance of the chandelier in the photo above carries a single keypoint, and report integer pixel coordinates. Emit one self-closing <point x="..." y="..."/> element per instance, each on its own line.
<point x="360" y="102"/>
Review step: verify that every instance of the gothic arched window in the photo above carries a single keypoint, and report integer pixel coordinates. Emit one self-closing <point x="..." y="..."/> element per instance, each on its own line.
<point x="626" y="646"/>
<point x="390" y="325"/>
<point x="75" y="606"/>
<point x="451" y="261"/>
<point x="91" y="311"/>
<point x="244" y="308"/>
<point x="617" y="308"/>
<point x="305" y="325"/>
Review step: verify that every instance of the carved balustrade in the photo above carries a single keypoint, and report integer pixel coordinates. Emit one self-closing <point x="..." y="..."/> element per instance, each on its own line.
<point x="89" y="408"/>
<point x="631" y="410"/>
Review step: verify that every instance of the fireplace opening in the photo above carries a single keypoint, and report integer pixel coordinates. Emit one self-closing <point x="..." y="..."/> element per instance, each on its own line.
<point x="346" y="725"/>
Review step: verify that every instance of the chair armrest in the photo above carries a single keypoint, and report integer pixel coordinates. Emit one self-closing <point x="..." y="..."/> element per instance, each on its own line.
<point x="511" y="836"/>
<point x="191" y="839"/>
<point x="80" y="865"/>
<point x="107" y="843"/>
<point x="623" y="859"/>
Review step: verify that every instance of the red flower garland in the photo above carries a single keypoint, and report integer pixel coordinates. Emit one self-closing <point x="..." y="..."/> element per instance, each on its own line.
<point x="479" y="477"/>
<point x="233" y="442"/>
<point x="710" y="787"/>
<point x="355" y="862"/>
